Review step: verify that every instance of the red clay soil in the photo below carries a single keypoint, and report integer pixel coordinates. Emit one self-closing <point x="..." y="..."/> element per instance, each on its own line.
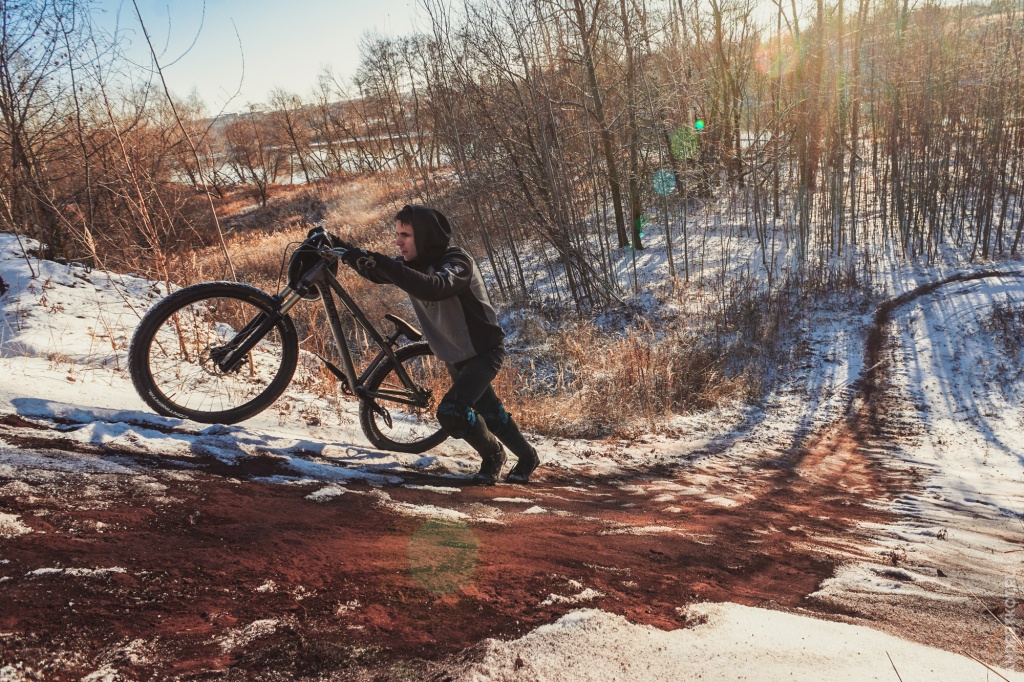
<point x="356" y="584"/>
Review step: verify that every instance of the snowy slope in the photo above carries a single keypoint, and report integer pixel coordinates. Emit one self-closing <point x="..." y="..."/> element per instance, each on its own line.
<point x="64" y="332"/>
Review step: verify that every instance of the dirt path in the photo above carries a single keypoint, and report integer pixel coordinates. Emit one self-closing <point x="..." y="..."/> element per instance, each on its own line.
<point x="173" y="570"/>
<point x="365" y="579"/>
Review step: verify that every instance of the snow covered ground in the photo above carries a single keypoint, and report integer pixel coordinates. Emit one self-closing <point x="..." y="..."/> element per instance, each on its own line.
<point x="954" y="365"/>
<point x="727" y="642"/>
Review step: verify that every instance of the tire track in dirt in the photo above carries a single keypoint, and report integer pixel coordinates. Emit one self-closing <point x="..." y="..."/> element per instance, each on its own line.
<point x="384" y="576"/>
<point x="872" y="378"/>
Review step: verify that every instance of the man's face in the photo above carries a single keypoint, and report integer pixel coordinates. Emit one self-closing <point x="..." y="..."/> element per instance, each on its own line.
<point x="405" y="240"/>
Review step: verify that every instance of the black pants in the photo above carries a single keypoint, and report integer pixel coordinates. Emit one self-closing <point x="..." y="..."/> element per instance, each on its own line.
<point x="471" y="410"/>
<point x="471" y="384"/>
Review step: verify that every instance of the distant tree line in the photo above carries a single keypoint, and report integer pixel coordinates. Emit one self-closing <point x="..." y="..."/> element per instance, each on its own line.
<point x="836" y="137"/>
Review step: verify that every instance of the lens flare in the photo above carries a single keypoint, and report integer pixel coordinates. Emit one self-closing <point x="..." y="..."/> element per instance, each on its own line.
<point x="641" y="224"/>
<point x="443" y="556"/>
<point x="664" y="181"/>
<point x="683" y="143"/>
<point x="778" y="57"/>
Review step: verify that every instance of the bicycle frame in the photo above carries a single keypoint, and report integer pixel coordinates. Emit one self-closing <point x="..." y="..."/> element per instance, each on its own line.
<point x="323" y="281"/>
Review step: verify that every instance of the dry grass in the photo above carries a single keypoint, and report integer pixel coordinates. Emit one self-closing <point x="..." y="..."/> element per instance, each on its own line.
<point x="592" y="384"/>
<point x="583" y="381"/>
<point x="576" y="379"/>
<point x="358" y="210"/>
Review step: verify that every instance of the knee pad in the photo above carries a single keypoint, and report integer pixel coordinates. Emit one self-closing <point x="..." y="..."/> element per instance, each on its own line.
<point x="456" y="417"/>
<point x="497" y="420"/>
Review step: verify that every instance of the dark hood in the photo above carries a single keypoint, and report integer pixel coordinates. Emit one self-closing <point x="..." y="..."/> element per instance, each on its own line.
<point x="431" y="230"/>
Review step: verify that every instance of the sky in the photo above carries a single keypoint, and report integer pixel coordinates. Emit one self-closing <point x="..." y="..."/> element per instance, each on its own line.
<point x="234" y="52"/>
<point x="253" y="46"/>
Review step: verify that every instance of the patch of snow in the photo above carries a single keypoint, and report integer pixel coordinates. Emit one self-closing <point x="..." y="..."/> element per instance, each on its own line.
<point x="137" y="652"/>
<point x="429" y="511"/>
<point x="864" y="578"/>
<point x="960" y="390"/>
<point x="326" y="494"/>
<point x="107" y="673"/>
<point x="240" y="637"/>
<point x="588" y="594"/>
<point x="11" y="526"/>
<point x="418" y="510"/>
<point x="75" y="572"/>
<point x="727" y="642"/>
<point x="441" y="490"/>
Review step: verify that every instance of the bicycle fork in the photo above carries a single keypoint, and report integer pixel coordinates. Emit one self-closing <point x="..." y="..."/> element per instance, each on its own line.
<point x="252" y="333"/>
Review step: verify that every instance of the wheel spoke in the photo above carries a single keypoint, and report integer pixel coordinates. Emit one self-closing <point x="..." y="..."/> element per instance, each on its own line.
<point x="182" y="376"/>
<point x="414" y="427"/>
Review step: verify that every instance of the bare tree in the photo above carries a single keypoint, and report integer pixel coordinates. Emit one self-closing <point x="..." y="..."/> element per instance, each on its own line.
<point x="288" y="113"/>
<point x="254" y="152"/>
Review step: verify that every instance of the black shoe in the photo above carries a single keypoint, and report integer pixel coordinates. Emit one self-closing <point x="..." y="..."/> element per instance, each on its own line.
<point x="524" y="467"/>
<point x="490" y="468"/>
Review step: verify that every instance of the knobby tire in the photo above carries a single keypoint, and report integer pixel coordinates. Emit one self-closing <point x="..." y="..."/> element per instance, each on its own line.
<point x="183" y="327"/>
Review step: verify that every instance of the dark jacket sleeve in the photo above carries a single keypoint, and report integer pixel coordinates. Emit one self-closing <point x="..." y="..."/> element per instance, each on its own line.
<point x="375" y="274"/>
<point x="451" y="278"/>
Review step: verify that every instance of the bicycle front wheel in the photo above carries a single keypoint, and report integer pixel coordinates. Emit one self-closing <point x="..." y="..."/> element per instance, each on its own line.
<point x="177" y="353"/>
<point x="410" y="409"/>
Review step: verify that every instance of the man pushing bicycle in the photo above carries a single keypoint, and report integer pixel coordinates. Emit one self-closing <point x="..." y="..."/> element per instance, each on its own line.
<point x="451" y="302"/>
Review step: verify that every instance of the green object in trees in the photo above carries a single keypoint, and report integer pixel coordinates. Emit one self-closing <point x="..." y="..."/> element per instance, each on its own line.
<point x="664" y="181"/>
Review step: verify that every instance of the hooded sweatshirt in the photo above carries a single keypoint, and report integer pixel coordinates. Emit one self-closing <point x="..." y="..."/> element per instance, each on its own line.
<point x="446" y="290"/>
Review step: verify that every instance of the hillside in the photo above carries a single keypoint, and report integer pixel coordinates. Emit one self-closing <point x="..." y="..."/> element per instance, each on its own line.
<point x="865" y="511"/>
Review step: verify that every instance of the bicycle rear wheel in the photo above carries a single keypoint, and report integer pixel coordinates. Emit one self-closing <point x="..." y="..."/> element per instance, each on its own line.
<point x="174" y="353"/>
<point x="413" y="426"/>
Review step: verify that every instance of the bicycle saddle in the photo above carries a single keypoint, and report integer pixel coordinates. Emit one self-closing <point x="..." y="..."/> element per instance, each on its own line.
<point x="407" y="329"/>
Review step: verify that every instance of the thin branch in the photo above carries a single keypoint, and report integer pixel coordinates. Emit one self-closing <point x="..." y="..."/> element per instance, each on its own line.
<point x="188" y="139"/>
<point x="893" y="666"/>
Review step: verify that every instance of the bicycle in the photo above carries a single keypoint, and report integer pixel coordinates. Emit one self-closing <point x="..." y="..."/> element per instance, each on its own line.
<point x="222" y="352"/>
